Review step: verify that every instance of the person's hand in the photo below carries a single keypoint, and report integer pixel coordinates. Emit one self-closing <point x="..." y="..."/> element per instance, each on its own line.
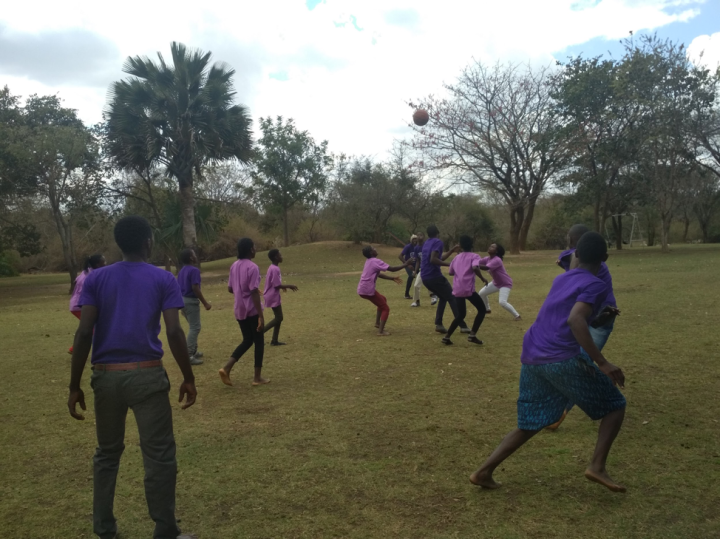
<point x="397" y="280"/>
<point x="455" y="249"/>
<point x="261" y="323"/>
<point x="614" y="373"/>
<point x="558" y="262"/>
<point x="76" y="397"/>
<point x="612" y="310"/>
<point x="208" y="306"/>
<point x="414" y="274"/>
<point x="292" y="287"/>
<point x="484" y="280"/>
<point x="187" y="389"/>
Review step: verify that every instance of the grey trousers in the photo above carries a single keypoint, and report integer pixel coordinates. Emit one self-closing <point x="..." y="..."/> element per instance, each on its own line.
<point x="145" y="392"/>
<point x="191" y="312"/>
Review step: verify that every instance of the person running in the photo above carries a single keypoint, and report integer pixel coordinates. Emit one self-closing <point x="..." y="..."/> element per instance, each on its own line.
<point x="557" y="364"/>
<point x="501" y="281"/>
<point x="91" y="263"/>
<point x="417" y="286"/>
<point x="244" y="283"/>
<point x="273" y="286"/>
<point x="366" y="287"/>
<point x="190" y="286"/>
<point x="433" y="259"/>
<point x="123" y="303"/>
<point x="464" y="267"/>
<point x="406" y="254"/>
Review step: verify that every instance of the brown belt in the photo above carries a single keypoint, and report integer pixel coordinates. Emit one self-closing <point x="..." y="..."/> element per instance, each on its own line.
<point x="127" y="366"/>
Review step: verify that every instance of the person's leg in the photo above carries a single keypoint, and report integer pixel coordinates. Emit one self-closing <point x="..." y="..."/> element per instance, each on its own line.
<point x="504" y="295"/>
<point x="147" y="394"/>
<point x="478" y="303"/>
<point x="383" y="313"/>
<point x="443" y="290"/>
<point x="244" y="346"/>
<point x="488" y="289"/>
<point x="110" y="413"/>
<point x="259" y="342"/>
<point x="192" y="314"/>
<point x="274" y="324"/>
<point x="483" y="476"/>
<point x="408" y="285"/>
<point x="416" y="290"/>
<point x="608" y="431"/>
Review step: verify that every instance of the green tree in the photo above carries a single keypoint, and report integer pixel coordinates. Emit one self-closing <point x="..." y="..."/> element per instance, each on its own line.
<point x="178" y="117"/>
<point x="290" y="168"/>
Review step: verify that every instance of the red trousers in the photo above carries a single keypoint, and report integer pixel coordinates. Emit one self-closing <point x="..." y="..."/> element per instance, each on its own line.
<point x="381" y="302"/>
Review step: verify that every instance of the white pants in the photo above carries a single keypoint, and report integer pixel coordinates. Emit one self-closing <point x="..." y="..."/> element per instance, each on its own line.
<point x="416" y="288"/>
<point x="504" y="295"/>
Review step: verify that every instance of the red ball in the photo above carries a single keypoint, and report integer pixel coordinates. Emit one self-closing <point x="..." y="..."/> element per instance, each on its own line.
<point x="421" y="117"/>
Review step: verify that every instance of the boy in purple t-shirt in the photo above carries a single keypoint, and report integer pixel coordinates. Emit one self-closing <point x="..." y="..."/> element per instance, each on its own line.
<point x="123" y="303"/>
<point x="273" y="286"/>
<point x="406" y="254"/>
<point x="189" y="280"/>
<point x="556" y="367"/>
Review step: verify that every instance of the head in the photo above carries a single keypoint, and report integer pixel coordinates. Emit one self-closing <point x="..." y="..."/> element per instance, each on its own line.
<point x="187" y="257"/>
<point x="466" y="243"/>
<point x="591" y="251"/>
<point x="134" y="236"/>
<point x="275" y="256"/>
<point x="420" y="238"/>
<point x="574" y="234"/>
<point x="246" y="249"/>
<point x="433" y="231"/>
<point x="94" y="262"/>
<point x="496" y="249"/>
<point x="369" y="251"/>
<point x="414" y="239"/>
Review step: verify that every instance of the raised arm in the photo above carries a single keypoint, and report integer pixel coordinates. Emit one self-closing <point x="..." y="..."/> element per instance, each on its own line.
<point x="451" y="251"/>
<point x="178" y="347"/>
<point x="81" y="350"/>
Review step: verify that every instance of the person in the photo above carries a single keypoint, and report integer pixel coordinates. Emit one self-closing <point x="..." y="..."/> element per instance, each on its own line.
<point x="501" y="281"/>
<point x="366" y="287"/>
<point x="190" y="288"/>
<point x="273" y="285"/>
<point x="602" y="326"/>
<point x="244" y="283"/>
<point x="417" y="286"/>
<point x="557" y="364"/>
<point x="433" y="259"/>
<point x="92" y="262"/>
<point x="407" y="253"/>
<point x="464" y="267"/>
<point x="123" y="303"/>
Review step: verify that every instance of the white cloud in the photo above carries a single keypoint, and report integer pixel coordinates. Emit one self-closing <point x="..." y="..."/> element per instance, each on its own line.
<point x="343" y="84"/>
<point x="705" y="50"/>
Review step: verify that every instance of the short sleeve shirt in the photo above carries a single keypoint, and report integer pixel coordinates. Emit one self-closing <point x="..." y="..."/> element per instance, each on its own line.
<point x="77" y="291"/>
<point x="428" y="270"/>
<point x="565" y="259"/>
<point x="273" y="279"/>
<point x="373" y="266"/>
<point x="407" y="252"/>
<point x="497" y="271"/>
<point x="243" y="280"/>
<point x="461" y="268"/>
<point x="187" y="277"/>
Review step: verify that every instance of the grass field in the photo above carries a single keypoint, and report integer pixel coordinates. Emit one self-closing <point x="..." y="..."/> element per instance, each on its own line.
<point x="363" y="437"/>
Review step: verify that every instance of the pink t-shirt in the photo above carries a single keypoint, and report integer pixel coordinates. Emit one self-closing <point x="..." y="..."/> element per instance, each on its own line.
<point x="496" y="269"/>
<point x="273" y="279"/>
<point x="369" y="276"/>
<point x="75" y="298"/>
<point x="461" y="268"/>
<point x="244" y="278"/>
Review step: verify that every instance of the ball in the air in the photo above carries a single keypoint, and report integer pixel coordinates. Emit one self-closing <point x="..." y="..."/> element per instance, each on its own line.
<point x="421" y="117"/>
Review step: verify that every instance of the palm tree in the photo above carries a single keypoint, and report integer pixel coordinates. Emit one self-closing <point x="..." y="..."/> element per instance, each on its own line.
<point x="179" y="117"/>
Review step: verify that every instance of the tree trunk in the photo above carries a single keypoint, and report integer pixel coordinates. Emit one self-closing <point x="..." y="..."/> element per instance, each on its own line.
<point x="286" y="232"/>
<point x="527" y="221"/>
<point x="665" y="234"/>
<point x="618" y="229"/>
<point x="187" y="209"/>
<point x="650" y="235"/>
<point x="516" y="221"/>
<point x="686" y="221"/>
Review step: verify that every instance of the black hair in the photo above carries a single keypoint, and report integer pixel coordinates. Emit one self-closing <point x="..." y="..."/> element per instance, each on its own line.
<point x="92" y="262"/>
<point x="591" y="248"/>
<point x="185" y="256"/>
<point x="466" y="242"/>
<point x="499" y="251"/>
<point x="131" y="234"/>
<point x="432" y="231"/>
<point x="244" y="246"/>
<point x="367" y="251"/>
<point x="272" y="253"/>
<point x="576" y="232"/>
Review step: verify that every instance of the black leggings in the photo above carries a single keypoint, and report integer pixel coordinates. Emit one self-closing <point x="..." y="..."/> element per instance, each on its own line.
<point x="275" y="323"/>
<point x="479" y="304"/>
<point x="441" y="287"/>
<point x="251" y="336"/>
<point x="409" y="281"/>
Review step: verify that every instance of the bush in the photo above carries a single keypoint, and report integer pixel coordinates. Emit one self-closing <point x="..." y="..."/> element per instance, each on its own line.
<point x="10" y="263"/>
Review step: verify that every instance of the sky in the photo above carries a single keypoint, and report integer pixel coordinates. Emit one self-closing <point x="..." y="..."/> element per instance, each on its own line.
<point x="342" y="69"/>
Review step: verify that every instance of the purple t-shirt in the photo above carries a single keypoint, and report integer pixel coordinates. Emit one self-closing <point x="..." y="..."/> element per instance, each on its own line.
<point x="244" y="278"/>
<point x="604" y="275"/>
<point x="273" y="279"/>
<point x="428" y="270"/>
<point x="77" y="291"/>
<point x="373" y="266"/>
<point x="496" y="269"/>
<point x="550" y="339"/>
<point x="408" y="252"/>
<point x="129" y="297"/>
<point x="461" y="268"/>
<point x="187" y="277"/>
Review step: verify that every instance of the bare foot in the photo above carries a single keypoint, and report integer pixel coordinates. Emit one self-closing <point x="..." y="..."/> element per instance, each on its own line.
<point x="555" y="425"/>
<point x="260" y="381"/>
<point x="518" y="318"/>
<point x="484" y="480"/>
<point x="225" y="377"/>
<point x="383" y="334"/>
<point x="604" y="479"/>
<point x="377" y="326"/>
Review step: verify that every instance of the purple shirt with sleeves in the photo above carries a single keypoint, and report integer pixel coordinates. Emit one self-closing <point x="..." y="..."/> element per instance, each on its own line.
<point x="373" y="266"/>
<point x="496" y="269"/>
<point x="244" y="278"/>
<point x="273" y="279"/>
<point x="604" y="275"/>
<point x="77" y="291"/>
<point x="428" y="270"/>
<point x="408" y="252"/>
<point x="129" y="297"/>
<point x="550" y="339"/>
<point x="461" y="268"/>
<point x="187" y="277"/>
